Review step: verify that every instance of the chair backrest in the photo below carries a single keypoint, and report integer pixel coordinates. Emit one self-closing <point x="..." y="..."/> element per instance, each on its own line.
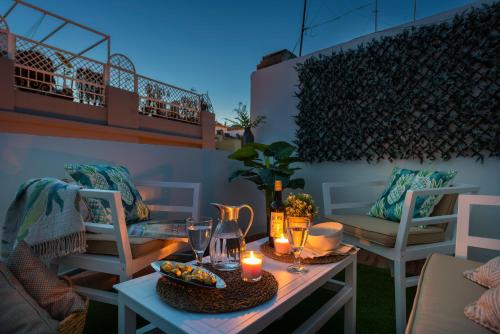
<point x="464" y="239"/>
<point x="329" y="206"/>
<point x="193" y="209"/>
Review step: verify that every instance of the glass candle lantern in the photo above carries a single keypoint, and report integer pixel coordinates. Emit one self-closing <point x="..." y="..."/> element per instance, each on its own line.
<point x="251" y="266"/>
<point x="281" y="245"/>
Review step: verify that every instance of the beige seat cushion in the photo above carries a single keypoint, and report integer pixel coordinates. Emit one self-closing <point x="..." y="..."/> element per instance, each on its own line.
<point x="384" y="232"/>
<point x="105" y="244"/>
<point x="442" y="294"/>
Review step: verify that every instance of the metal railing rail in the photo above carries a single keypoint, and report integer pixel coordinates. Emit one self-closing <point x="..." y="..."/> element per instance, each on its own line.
<point x="159" y="99"/>
<point x="122" y="73"/>
<point x="48" y="70"/>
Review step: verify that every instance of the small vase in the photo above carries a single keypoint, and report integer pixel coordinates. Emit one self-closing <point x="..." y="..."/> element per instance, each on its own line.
<point x="248" y="137"/>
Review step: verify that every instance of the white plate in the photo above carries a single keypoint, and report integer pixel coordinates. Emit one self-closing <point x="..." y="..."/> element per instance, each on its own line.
<point x="219" y="282"/>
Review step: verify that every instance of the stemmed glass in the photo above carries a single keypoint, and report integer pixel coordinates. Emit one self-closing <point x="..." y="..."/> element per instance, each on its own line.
<point x="199" y="232"/>
<point x="297" y="229"/>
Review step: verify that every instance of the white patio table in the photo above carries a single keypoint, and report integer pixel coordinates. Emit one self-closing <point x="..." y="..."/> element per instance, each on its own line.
<point x="138" y="296"/>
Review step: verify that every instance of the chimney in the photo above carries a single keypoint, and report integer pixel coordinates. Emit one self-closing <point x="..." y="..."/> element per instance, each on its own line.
<point x="275" y="58"/>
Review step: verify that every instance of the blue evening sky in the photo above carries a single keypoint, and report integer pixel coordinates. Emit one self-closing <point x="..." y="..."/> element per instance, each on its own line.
<point x="212" y="45"/>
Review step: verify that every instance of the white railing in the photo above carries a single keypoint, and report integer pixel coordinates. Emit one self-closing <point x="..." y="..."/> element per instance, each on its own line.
<point x="122" y="73"/>
<point x="51" y="71"/>
<point x="163" y="100"/>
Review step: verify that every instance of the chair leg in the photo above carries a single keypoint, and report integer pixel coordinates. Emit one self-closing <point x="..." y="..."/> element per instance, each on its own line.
<point x="400" y="295"/>
<point x="124" y="277"/>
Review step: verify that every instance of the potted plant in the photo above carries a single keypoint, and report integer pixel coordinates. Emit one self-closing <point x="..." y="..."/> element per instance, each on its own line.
<point x="244" y="120"/>
<point x="267" y="163"/>
<point x="300" y="206"/>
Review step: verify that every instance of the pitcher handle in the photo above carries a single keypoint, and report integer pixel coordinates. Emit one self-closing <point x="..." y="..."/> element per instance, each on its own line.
<point x="251" y="218"/>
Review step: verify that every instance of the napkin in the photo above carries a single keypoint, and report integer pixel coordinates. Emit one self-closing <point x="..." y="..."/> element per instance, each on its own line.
<point x="309" y="253"/>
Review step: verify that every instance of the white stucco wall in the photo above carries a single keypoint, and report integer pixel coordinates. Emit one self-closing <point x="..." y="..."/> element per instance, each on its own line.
<point x="273" y="90"/>
<point x="23" y="157"/>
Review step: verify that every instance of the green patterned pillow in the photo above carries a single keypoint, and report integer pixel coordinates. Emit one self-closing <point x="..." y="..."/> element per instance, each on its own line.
<point x="109" y="178"/>
<point x="390" y="203"/>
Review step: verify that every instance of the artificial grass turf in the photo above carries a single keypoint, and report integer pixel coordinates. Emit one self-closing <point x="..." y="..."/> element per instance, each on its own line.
<point x="375" y="308"/>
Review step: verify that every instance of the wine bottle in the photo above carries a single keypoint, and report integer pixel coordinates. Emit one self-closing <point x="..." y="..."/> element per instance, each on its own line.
<point x="277" y="219"/>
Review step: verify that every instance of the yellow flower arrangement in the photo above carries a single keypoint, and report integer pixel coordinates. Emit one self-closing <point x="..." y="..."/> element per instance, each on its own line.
<point x="300" y="205"/>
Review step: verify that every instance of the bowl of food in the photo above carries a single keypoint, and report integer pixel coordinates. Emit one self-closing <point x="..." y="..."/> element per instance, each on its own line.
<point x="188" y="274"/>
<point x="325" y="236"/>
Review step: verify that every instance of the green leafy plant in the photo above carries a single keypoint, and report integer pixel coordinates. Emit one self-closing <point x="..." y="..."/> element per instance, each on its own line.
<point x="300" y="205"/>
<point x="267" y="163"/>
<point x="243" y="118"/>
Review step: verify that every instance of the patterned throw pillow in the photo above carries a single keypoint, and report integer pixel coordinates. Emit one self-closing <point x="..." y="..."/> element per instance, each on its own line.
<point x="487" y="275"/>
<point x="109" y="178"/>
<point x="486" y="310"/>
<point x="390" y="204"/>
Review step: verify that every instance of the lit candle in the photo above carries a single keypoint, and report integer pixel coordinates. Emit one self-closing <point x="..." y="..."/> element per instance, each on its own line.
<point x="281" y="245"/>
<point x="251" y="266"/>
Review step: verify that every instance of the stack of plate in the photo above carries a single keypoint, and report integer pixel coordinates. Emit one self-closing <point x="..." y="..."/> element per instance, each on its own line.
<point x="325" y="236"/>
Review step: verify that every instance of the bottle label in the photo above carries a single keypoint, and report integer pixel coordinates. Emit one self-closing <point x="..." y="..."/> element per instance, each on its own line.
<point x="277" y="221"/>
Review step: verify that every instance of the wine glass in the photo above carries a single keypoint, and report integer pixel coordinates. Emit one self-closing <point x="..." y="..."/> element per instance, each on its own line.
<point x="199" y="232"/>
<point x="297" y="229"/>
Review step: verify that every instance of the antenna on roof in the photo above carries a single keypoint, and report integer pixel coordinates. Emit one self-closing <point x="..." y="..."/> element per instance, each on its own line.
<point x="302" y="29"/>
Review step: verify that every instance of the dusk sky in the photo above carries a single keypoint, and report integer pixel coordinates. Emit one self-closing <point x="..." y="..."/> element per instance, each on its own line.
<point x="213" y="45"/>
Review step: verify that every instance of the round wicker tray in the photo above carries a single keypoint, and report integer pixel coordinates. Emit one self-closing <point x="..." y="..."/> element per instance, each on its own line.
<point x="288" y="258"/>
<point x="238" y="295"/>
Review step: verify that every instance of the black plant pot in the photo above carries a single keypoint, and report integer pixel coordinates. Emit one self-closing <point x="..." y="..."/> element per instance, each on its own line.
<point x="248" y="136"/>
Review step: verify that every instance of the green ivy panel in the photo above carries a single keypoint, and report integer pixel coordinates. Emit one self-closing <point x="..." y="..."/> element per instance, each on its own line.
<point x="427" y="93"/>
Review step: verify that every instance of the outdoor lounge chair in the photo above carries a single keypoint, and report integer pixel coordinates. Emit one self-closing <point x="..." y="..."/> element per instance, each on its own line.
<point x="111" y="251"/>
<point x="399" y="242"/>
<point x="443" y="291"/>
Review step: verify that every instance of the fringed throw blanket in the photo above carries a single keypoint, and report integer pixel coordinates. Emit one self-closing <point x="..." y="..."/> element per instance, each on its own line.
<point x="45" y="214"/>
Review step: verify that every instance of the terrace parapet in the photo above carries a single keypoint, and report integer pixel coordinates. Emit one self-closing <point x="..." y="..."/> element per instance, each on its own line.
<point x="50" y="91"/>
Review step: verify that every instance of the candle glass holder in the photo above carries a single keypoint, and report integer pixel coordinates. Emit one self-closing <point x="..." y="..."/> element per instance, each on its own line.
<point x="281" y="246"/>
<point x="251" y="266"/>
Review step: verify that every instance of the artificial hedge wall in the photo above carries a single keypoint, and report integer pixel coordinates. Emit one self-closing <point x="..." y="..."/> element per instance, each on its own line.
<point x="426" y="93"/>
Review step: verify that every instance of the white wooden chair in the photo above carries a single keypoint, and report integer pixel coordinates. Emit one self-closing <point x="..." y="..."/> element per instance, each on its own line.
<point x="464" y="240"/>
<point x="125" y="265"/>
<point x="435" y="307"/>
<point x="402" y="252"/>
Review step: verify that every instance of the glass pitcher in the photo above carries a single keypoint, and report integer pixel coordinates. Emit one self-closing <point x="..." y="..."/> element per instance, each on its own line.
<point x="227" y="240"/>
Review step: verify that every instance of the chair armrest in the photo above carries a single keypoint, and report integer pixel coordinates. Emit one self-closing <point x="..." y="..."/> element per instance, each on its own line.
<point x="118" y="228"/>
<point x="98" y="193"/>
<point x="99" y="228"/>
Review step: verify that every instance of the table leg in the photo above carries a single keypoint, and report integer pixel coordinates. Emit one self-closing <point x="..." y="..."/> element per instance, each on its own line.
<point x="350" y="306"/>
<point x="126" y="318"/>
<point x="344" y="297"/>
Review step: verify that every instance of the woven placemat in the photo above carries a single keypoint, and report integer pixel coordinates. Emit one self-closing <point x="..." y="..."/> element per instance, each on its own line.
<point x="288" y="258"/>
<point x="238" y="295"/>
